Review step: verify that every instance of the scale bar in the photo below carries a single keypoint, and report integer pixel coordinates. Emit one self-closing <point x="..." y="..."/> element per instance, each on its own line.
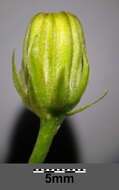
<point x="77" y="171"/>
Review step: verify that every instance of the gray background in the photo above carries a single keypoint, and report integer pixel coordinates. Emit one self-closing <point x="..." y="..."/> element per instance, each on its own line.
<point x="98" y="176"/>
<point x="96" y="129"/>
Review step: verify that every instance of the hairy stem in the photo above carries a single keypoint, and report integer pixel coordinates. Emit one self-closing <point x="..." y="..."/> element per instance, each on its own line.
<point x="48" y="130"/>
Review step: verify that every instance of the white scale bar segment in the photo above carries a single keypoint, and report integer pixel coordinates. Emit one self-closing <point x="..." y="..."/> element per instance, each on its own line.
<point x="38" y="172"/>
<point x="81" y="171"/>
<point x="59" y="171"/>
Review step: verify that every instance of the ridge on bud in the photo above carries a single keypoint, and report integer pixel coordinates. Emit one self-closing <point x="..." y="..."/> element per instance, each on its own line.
<point x="55" y="67"/>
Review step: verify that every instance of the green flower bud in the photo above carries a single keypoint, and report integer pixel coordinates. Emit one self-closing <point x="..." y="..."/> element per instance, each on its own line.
<point x="55" y="68"/>
<point x="54" y="73"/>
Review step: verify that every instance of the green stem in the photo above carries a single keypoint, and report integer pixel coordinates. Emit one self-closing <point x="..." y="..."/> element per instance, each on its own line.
<point x="48" y="130"/>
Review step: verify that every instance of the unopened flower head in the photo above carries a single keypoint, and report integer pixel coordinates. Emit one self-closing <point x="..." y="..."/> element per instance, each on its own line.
<point x="55" y="67"/>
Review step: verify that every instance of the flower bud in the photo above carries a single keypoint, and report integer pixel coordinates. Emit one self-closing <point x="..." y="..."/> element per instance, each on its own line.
<point x="55" y="68"/>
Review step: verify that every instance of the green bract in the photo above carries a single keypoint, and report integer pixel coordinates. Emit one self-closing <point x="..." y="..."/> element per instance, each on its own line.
<point x="55" y="68"/>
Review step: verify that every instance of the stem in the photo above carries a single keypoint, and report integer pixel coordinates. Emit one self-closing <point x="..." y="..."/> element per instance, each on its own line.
<point x="48" y="130"/>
